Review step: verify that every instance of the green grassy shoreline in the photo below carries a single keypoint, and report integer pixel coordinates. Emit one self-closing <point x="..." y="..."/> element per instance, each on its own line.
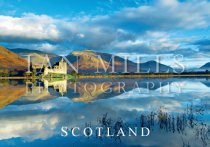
<point x="69" y="77"/>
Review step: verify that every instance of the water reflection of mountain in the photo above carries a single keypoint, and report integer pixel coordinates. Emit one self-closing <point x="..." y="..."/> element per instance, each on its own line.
<point x="89" y="90"/>
<point x="42" y="91"/>
<point x="15" y="92"/>
<point x="10" y="91"/>
<point x="206" y="83"/>
<point x="84" y="90"/>
<point x="178" y="118"/>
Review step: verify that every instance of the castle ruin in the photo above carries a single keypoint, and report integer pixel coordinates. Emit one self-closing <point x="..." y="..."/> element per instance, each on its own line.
<point x="59" y="68"/>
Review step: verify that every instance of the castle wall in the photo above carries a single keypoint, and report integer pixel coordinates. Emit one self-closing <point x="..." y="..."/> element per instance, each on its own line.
<point x="61" y="68"/>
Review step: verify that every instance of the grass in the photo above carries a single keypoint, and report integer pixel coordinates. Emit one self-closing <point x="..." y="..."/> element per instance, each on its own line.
<point x="83" y="76"/>
<point x="147" y="75"/>
<point x="59" y="77"/>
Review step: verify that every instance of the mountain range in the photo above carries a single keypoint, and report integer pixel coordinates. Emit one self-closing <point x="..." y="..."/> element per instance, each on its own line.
<point x="38" y="58"/>
<point x="88" y="61"/>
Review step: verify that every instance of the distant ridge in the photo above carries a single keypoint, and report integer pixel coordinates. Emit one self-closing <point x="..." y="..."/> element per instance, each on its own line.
<point x="88" y="60"/>
<point x="20" y="51"/>
<point x="205" y="66"/>
<point x="38" y="58"/>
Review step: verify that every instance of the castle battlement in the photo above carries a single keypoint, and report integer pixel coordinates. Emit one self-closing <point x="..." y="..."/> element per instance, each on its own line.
<point x="59" y="68"/>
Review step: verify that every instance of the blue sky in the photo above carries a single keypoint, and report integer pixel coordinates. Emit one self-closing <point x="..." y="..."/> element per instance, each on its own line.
<point x="151" y="27"/>
<point x="67" y="8"/>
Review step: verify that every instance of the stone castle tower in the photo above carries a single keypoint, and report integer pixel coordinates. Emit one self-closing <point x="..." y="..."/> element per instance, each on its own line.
<point x="59" y="68"/>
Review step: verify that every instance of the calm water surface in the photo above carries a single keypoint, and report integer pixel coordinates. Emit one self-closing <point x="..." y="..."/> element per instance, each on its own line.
<point x="175" y="110"/>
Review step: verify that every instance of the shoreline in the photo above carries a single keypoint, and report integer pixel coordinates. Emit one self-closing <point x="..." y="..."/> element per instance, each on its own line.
<point x="144" y="76"/>
<point x="119" y="76"/>
<point x="15" y="78"/>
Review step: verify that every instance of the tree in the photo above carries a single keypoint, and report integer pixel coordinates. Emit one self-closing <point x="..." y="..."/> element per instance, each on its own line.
<point x="74" y="73"/>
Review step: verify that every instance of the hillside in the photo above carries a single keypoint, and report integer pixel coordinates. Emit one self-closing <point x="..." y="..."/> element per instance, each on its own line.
<point x="38" y="58"/>
<point x="22" y="51"/>
<point x="11" y="61"/>
<point x="206" y="66"/>
<point x="88" y="62"/>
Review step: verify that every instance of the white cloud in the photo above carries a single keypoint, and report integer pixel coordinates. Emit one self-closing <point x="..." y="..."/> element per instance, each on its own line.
<point x="151" y="42"/>
<point x="80" y="35"/>
<point x="31" y="128"/>
<point x="29" y="26"/>
<point x="168" y="2"/>
<point x="148" y="27"/>
<point x="46" y="46"/>
<point x="166" y="15"/>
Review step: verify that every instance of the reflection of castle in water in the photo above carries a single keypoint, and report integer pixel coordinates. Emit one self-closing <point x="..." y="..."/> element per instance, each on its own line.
<point x="59" y="86"/>
<point x="42" y="88"/>
<point x="87" y="90"/>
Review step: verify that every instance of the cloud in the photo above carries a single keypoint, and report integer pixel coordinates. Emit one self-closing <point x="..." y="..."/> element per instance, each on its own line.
<point x="150" y="42"/>
<point x="144" y="29"/>
<point x="28" y="27"/>
<point x="203" y="45"/>
<point x="161" y="16"/>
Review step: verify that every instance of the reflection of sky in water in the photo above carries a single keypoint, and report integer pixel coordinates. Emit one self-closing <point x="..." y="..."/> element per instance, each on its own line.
<point x="40" y="123"/>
